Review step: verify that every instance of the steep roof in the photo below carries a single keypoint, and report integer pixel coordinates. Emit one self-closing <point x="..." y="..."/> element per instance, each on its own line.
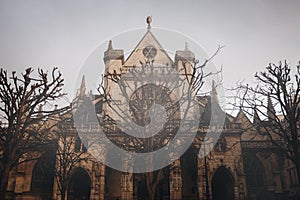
<point x="213" y="111"/>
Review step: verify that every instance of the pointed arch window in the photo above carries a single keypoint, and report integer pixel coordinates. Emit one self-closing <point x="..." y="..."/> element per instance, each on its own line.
<point x="77" y="144"/>
<point x="43" y="173"/>
<point x="221" y="145"/>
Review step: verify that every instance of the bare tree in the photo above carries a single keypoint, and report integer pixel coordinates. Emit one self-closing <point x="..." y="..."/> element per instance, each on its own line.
<point x="129" y="97"/>
<point x="25" y="127"/>
<point x="70" y="152"/>
<point x="274" y="104"/>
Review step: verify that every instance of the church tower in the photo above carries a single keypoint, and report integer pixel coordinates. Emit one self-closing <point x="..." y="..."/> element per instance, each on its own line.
<point x="113" y="60"/>
<point x="184" y="60"/>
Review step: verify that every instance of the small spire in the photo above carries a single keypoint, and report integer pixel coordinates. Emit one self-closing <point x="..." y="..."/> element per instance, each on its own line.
<point x="82" y="87"/>
<point x="90" y="94"/>
<point x="241" y="113"/>
<point x="270" y="109"/>
<point x="149" y="20"/>
<point x="186" y="46"/>
<point x="256" y="118"/>
<point x="40" y="111"/>
<point x="110" y="47"/>
<point x="214" y="93"/>
<point x="56" y="115"/>
<point x="213" y="84"/>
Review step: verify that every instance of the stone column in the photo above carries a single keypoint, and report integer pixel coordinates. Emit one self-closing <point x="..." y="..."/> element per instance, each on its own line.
<point x="236" y="191"/>
<point x="56" y="193"/>
<point x="240" y="179"/>
<point x="201" y="179"/>
<point x="99" y="187"/>
<point x="126" y="186"/>
<point x="127" y="179"/>
<point x="11" y="183"/>
<point x="175" y="181"/>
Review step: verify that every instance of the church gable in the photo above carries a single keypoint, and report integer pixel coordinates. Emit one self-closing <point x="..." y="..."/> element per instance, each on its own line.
<point x="148" y="47"/>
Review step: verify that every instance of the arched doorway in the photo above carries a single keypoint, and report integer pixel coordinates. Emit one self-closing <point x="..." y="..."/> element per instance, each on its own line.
<point x="140" y="187"/>
<point x="112" y="184"/>
<point x="189" y="166"/>
<point x="256" y="176"/>
<point x="43" y="176"/>
<point x="222" y="185"/>
<point x="160" y="189"/>
<point x="79" y="186"/>
<point x="112" y="178"/>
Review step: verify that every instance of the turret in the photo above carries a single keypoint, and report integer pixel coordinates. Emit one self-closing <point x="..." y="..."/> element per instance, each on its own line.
<point x="184" y="60"/>
<point x="185" y="55"/>
<point x="113" y="57"/>
<point x="114" y="60"/>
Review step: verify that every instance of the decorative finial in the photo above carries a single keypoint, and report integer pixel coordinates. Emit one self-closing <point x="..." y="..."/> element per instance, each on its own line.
<point x="186" y="46"/>
<point x="149" y="20"/>
<point x="256" y="118"/>
<point x="82" y="87"/>
<point x="40" y="111"/>
<point x="214" y="87"/>
<point x="214" y="93"/>
<point x="110" y="47"/>
<point x="271" y="113"/>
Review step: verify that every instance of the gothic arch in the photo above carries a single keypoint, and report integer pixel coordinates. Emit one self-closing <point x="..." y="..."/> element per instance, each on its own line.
<point x="223" y="184"/>
<point x="80" y="185"/>
<point x="43" y="175"/>
<point x="163" y="188"/>
<point x="112" y="183"/>
<point x="189" y="173"/>
<point x="112" y="179"/>
<point x="256" y="174"/>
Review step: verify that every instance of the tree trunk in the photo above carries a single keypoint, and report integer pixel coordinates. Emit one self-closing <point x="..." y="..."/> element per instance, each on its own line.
<point x="296" y="157"/>
<point x="297" y="164"/>
<point x="152" y="182"/>
<point x="152" y="195"/>
<point x="152" y="187"/>
<point x="4" y="182"/>
<point x="63" y="196"/>
<point x="63" y="193"/>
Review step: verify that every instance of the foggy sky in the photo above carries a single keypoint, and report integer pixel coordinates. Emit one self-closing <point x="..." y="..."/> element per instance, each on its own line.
<point x="63" y="33"/>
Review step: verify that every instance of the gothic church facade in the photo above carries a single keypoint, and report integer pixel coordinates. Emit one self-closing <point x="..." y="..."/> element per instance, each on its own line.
<point x="242" y="165"/>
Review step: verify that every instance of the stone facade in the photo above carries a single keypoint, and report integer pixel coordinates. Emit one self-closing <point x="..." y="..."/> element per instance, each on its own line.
<point x="240" y="166"/>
